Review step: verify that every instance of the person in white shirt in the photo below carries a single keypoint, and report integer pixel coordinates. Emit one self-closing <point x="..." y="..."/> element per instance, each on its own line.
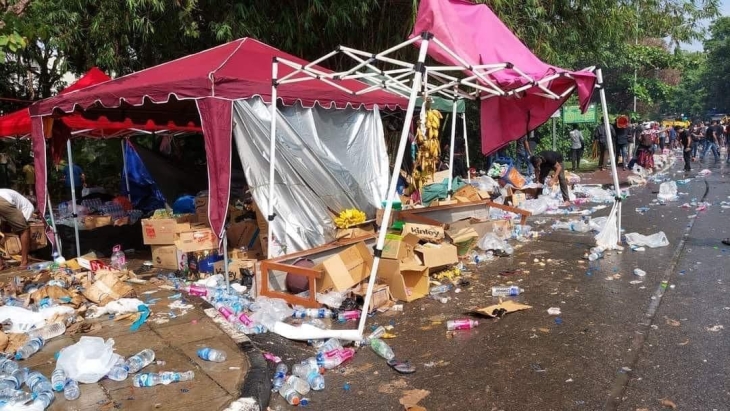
<point x="576" y="138"/>
<point x="16" y="210"/>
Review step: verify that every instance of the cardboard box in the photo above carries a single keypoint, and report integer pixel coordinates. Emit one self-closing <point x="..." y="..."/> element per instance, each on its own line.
<point x="169" y="257"/>
<point x="235" y="268"/>
<point x="38" y="238"/>
<point x="518" y="199"/>
<point x="379" y="214"/>
<point x="424" y="231"/>
<point x="437" y="255"/>
<point x="198" y="238"/>
<point x="355" y="232"/>
<point x="201" y="201"/>
<point x="164" y="231"/>
<point x="502" y="228"/>
<point x="481" y="227"/>
<point x="468" y="191"/>
<point x="106" y="288"/>
<point x="398" y="247"/>
<point x="380" y="298"/>
<point x="243" y="234"/>
<point x="407" y="281"/>
<point x="437" y="177"/>
<point x="464" y="238"/>
<point x="346" y="269"/>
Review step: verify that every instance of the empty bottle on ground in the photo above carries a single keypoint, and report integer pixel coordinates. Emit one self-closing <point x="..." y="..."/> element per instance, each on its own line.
<point x="38" y="382"/>
<point x="49" y="331"/>
<point x="381" y="348"/>
<point x="313" y="313"/>
<point x="58" y="379"/>
<point x="461" y="324"/>
<point x="119" y="371"/>
<point x="315" y="380"/>
<point x="506" y="291"/>
<point x="15" y="380"/>
<point x="7" y="366"/>
<point x="279" y="376"/>
<point x="44" y="398"/>
<point x="140" y="360"/>
<point x="150" y="379"/>
<point x="9" y="397"/>
<point x="31" y="347"/>
<point x="304" y="368"/>
<point x="334" y="358"/>
<point x="211" y="354"/>
<point x="291" y="395"/>
<point x="329" y="345"/>
<point x="300" y="385"/>
<point x="71" y="390"/>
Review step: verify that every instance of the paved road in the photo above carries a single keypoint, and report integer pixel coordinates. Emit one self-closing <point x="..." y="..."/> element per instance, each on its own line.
<point x="619" y="346"/>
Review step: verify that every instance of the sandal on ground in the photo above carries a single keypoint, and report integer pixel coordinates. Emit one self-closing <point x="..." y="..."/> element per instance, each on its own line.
<point x="726" y="241"/>
<point x="403" y="367"/>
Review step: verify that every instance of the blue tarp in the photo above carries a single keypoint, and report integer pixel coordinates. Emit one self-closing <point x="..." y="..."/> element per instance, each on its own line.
<point x="146" y="195"/>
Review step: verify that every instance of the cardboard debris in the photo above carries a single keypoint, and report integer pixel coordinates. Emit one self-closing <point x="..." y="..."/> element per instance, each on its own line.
<point x="4" y="341"/>
<point x="508" y="306"/>
<point x="347" y="268"/>
<point x="411" y="398"/>
<point x="15" y="341"/>
<point x="408" y="281"/>
<point x="424" y="231"/>
<point x="106" y="288"/>
<point x="398" y="247"/>
<point x="57" y="293"/>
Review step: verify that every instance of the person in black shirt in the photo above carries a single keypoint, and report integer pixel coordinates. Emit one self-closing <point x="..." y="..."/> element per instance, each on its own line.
<point x="547" y="161"/>
<point x="686" y="141"/>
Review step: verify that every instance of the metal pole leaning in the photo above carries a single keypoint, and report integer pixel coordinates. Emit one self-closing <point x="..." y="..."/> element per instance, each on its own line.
<point x="72" y="179"/>
<point x="609" y="142"/>
<point x="419" y="69"/>
<point x="272" y="156"/>
<point x="466" y="147"/>
<point x="450" y="189"/>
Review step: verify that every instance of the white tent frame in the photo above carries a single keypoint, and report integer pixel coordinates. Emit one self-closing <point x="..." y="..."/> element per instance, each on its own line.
<point x="408" y="80"/>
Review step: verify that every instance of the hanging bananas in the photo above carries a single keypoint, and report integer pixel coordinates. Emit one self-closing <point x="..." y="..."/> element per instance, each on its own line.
<point x="429" y="146"/>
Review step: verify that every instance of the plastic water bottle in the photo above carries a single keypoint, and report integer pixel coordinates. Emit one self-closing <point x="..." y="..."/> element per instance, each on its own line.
<point x="279" y="376"/>
<point x="313" y="313"/>
<point x="119" y="372"/>
<point x="31" y="347"/>
<point x="439" y="289"/>
<point x="506" y="291"/>
<point x="49" y="331"/>
<point x="329" y="345"/>
<point x="15" y="380"/>
<point x="301" y="386"/>
<point x="150" y="379"/>
<point x="291" y="395"/>
<point x="334" y="358"/>
<point x="58" y="379"/>
<point x="211" y="354"/>
<point x="38" y="382"/>
<point x="118" y="260"/>
<point x="381" y="348"/>
<point x="303" y="369"/>
<point x="462" y="324"/>
<point x="639" y="272"/>
<point x="315" y="381"/>
<point x="254" y="329"/>
<point x="140" y="360"/>
<point x="71" y="390"/>
<point x="197" y="290"/>
<point x="350" y="315"/>
<point x="8" y="398"/>
<point x="7" y="366"/>
<point x="44" y="398"/>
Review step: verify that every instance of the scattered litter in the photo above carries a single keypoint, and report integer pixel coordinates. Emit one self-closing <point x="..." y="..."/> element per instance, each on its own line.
<point x="634" y="282"/>
<point x="411" y="398"/>
<point x="271" y="357"/>
<point x="639" y="272"/>
<point x="652" y="241"/>
<point x="499" y="310"/>
<point x="685" y="342"/>
<point x="554" y="311"/>
<point x="715" y="328"/>
<point x="667" y="403"/>
<point x="673" y="323"/>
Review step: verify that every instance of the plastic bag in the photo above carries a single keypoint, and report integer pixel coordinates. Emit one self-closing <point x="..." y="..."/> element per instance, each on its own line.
<point x="574" y="225"/>
<point x="536" y="207"/>
<point x="652" y="241"/>
<point x="490" y="241"/>
<point x="23" y="320"/>
<point x="120" y="306"/>
<point x="486" y="183"/>
<point x="607" y="238"/>
<point x="332" y="299"/>
<point x="667" y="191"/>
<point x="271" y="310"/>
<point x="89" y="360"/>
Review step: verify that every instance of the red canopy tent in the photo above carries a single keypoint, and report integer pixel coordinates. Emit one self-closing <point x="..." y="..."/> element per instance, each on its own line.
<point x="200" y="88"/>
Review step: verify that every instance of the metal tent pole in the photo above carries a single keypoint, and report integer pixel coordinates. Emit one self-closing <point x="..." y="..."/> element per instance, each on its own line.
<point x="53" y="223"/>
<point x="555" y="143"/>
<point x="272" y="155"/>
<point x="72" y="178"/>
<point x="225" y="260"/>
<point x="466" y="147"/>
<point x="609" y="142"/>
<point x="126" y="172"/>
<point x="419" y="69"/>
<point x="450" y="190"/>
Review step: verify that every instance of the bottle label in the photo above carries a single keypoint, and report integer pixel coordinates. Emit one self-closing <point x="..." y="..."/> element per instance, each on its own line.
<point x="144" y="380"/>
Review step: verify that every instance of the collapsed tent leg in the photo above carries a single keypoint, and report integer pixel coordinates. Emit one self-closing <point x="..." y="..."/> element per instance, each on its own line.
<point x="419" y="71"/>
<point x="609" y="142"/>
<point x="125" y="170"/>
<point x="272" y="157"/>
<point x="56" y="239"/>
<point x="451" y="149"/>
<point x="72" y="178"/>
<point x="466" y="147"/>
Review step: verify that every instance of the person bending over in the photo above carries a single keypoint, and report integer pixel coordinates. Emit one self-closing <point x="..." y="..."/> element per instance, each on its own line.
<point x="16" y="210"/>
<point x="547" y="161"/>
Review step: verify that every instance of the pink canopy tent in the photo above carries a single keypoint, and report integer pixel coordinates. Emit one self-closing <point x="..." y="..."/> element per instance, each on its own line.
<point x="200" y="87"/>
<point x="474" y="35"/>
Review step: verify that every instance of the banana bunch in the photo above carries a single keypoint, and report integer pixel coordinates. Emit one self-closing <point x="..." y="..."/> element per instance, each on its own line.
<point x="433" y="122"/>
<point x="429" y="146"/>
<point x="349" y="218"/>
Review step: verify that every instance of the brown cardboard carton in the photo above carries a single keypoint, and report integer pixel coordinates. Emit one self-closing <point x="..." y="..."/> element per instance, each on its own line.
<point x="355" y="232"/>
<point x="169" y="257"/>
<point x="235" y="267"/>
<point x="424" y="231"/>
<point x="37" y="236"/>
<point x="164" y="231"/>
<point x="437" y="255"/>
<point x="243" y="234"/>
<point x="398" y="247"/>
<point x="407" y="281"/>
<point x="346" y="268"/>
<point x="464" y="238"/>
<point x="468" y="191"/>
<point x="198" y="238"/>
<point x="380" y="298"/>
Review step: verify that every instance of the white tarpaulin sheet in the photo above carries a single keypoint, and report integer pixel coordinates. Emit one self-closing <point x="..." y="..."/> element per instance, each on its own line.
<point x="326" y="159"/>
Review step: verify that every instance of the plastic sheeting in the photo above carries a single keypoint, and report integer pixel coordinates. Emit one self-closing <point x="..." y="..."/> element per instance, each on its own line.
<point x="145" y="193"/>
<point x="326" y="161"/>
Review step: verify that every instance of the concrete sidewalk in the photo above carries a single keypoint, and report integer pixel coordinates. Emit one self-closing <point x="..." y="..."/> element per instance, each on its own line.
<point x="175" y="342"/>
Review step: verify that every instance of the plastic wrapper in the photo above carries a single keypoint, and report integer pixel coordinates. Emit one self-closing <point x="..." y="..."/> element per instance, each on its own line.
<point x="535" y="206"/>
<point x="491" y="241"/>
<point x="652" y="241"/>
<point x="89" y="360"/>
<point x="607" y="237"/>
<point x="667" y="191"/>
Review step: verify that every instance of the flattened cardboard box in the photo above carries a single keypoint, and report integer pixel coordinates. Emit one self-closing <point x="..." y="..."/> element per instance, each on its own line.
<point x="163" y="231"/>
<point x="347" y="268"/>
<point x="437" y="255"/>
<point x="424" y="231"/>
<point x="469" y="192"/>
<point x="407" y="281"/>
<point x="199" y="238"/>
<point x="380" y="298"/>
<point x="398" y="247"/>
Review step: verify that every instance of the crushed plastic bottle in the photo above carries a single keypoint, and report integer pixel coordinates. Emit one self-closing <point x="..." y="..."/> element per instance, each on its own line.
<point x="334" y="358"/>
<point x="49" y="331"/>
<point x="211" y="354"/>
<point x="313" y="313"/>
<point x="14" y="380"/>
<point x="329" y="345"/>
<point x="140" y="360"/>
<point x="58" y="379"/>
<point x="350" y="315"/>
<point x="461" y="324"/>
<point x="43" y="398"/>
<point x="150" y="379"/>
<point x="118" y="259"/>
<point x="38" y="382"/>
<point x="381" y="348"/>
<point x="119" y="371"/>
<point x="439" y="289"/>
<point x="279" y="376"/>
<point x="9" y="398"/>
<point x="301" y="386"/>
<point x="31" y="347"/>
<point x="7" y="366"/>
<point x="291" y="395"/>
<point x="71" y="390"/>
<point x="596" y="253"/>
<point x="506" y="291"/>
<point x="315" y="381"/>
